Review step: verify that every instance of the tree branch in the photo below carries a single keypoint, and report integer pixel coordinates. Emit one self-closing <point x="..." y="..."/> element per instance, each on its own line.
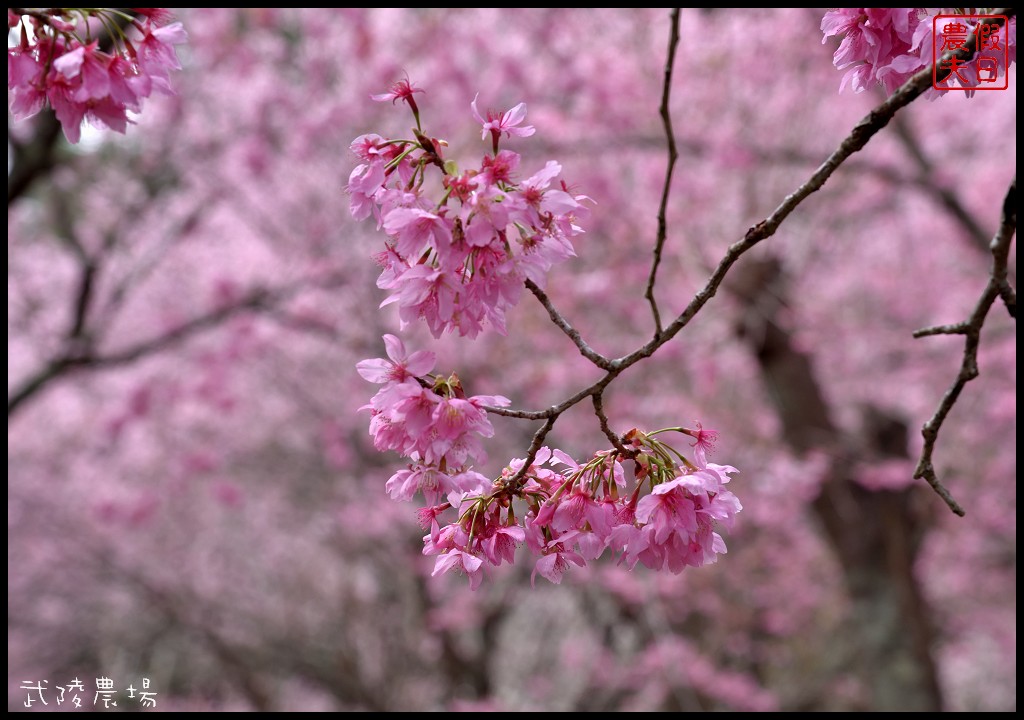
<point x="960" y="328"/>
<point x="1000" y="247"/>
<point x="74" y="358"/>
<point x="536" y="444"/>
<point x="861" y="134"/>
<point x="971" y="329"/>
<point x="602" y="419"/>
<point x="558" y="319"/>
<point x="32" y="158"/>
<point x="673" y="156"/>
<point x="82" y="358"/>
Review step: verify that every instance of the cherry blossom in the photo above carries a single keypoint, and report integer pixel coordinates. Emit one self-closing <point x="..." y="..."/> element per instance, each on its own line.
<point x="458" y="262"/>
<point x="81" y="81"/>
<point x="889" y="45"/>
<point x="506" y="122"/>
<point x="569" y="516"/>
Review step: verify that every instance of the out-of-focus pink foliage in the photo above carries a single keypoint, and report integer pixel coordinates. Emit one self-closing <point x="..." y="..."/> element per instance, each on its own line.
<point x="213" y="516"/>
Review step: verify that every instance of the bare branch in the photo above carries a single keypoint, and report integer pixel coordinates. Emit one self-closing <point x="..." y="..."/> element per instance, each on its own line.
<point x="36" y="382"/>
<point x="954" y="329"/>
<point x="867" y="128"/>
<point x="861" y="134"/>
<point x="75" y="359"/>
<point x="673" y="156"/>
<point x="558" y="319"/>
<point x="33" y="158"/>
<point x="514" y="482"/>
<point x="615" y="440"/>
<point x="82" y="357"/>
<point x="1000" y="247"/>
<point x="89" y="266"/>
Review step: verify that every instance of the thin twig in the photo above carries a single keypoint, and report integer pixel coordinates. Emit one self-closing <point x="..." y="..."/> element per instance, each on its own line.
<point x="673" y="155"/>
<point x="959" y="328"/>
<point x="615" y="440"/>
<point x="861" y="134"/>
<point x="515" y="482"/>
<point x="565" y="326"/>
<point x="1000" y="247"/>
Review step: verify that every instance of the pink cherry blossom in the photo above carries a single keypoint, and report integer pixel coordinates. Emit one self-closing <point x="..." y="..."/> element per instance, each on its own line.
<point x="80" y="81"/>
<point x="427" y="518"/>
<point x="703" y="441"/>
<point x="578" y="509"/>
<point x="667" y="510"/>
<point x="460" y="263"/>
<point x="555" y="561"/>
<point x="25" y="83"/>
<point x="461" y="562"/>
<point x="499" y="168"/>
<point x="507" y="122"/>
<point x="875" y="42"/>
<point x="364" y="183"/>
<point x="428" y="480"/>
<point x="400" y="366"/>
<point x="414" y="229"/>
<point x="889" y="45"/>
<point x="156" y="55"/>
<point x="502" y="543"/>
<point x="368" y="147"/>
<point x="402" y="90"/>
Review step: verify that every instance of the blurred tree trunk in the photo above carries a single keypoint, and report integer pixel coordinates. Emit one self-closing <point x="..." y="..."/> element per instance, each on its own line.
<point x="876" y="534"/>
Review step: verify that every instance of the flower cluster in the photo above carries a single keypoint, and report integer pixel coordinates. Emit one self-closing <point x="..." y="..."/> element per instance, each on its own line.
<point x="570" y="513"/>
<point x="60" y="63"/>
<point x="460" y="260"/>
<point x="889" y="45"/>
<point x="428" y="419"/>
<point x="458" y="251"/>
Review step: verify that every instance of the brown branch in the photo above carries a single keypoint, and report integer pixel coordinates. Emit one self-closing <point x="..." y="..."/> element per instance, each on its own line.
<point x="32" y="158"/>
<point x="75" y="358"/>
<point x="89" y="266"/>
<point x="1000" y="247"/>
<point x="921" y="181"/>
<point x="558" y="319"/>
<point x="516" y="481"/>
<point x="861" y="134"/>
<point x="971" y="329"/>
<point x="673" y="156"/>
<point x="960" y="328"/>
<point x="602" y="419"/>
